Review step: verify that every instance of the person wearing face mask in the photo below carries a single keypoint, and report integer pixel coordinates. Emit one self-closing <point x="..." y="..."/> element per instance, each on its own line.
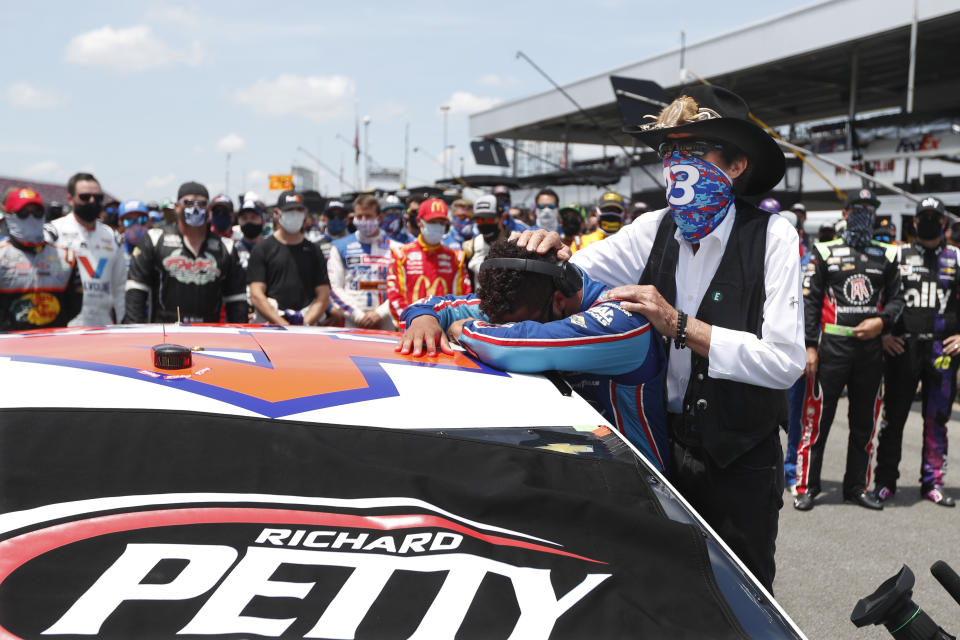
<point x="490" y="228"/>
<point x="187" y="272"/>
<point x="133" y="224"/>
<point x="462" y="228"/>
<point x="249" y="229"/>
<point x="287" y="273"/>
<point x="609" y="212"/>
<point x="221" y="216"/>
<point x="101" y="261"/>
<point x="571" y="223"/>
<point x="40" y="284"/>
<point x="546" y="210"/>
<point x="923" y="346"/>
<point x="721" y="279"/>
<point x="358" y="266"/>
<point x="393" y="222"/>
<point x="854" y="294"/>
<point x="426" y="267"/>
<point x="334" y="223"/>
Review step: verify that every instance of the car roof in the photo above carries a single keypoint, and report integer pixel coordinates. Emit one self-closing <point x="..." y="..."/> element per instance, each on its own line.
<point x="344" y="376"/>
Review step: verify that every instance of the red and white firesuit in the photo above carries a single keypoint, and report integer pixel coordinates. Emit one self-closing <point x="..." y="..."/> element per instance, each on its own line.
<point x="419" y="270"/>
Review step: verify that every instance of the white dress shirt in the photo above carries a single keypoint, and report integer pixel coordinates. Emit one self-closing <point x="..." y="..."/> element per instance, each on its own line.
<point x="776" y="359"/>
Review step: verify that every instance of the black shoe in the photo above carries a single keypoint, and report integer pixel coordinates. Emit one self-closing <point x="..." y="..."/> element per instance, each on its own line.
<point x="936" y="496"/>
<point x="803" y="502"/>
<point x="865" y="499"/>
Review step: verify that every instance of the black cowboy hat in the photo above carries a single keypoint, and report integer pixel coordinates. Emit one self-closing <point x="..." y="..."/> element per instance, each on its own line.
<point x="729" y="122"/>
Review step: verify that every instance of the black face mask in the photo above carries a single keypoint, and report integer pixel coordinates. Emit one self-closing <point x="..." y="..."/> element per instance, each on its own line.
<point x="251" y="230"/>
<point x="929" y="227"/>
<point x="571" y="227"/>
<point x="221" y="221"/>
<point x="88" y="211"/>
<point x="489" y="232"/>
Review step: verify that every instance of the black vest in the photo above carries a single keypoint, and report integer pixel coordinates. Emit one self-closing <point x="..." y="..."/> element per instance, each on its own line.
<point x="726" y="418"/>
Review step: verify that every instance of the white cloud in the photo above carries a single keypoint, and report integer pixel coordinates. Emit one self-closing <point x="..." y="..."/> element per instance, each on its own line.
<point x="46" y="169"/>
<point x="464" y="103"/>
<point x="198" y="148"/>
<point x="493" y="80"/>
<point x="314" y="97"/>
<point x="26" y="96"/>
<point x="231" y="143"/>
<point x="129" y="49"/>
<point x="159" y="182"/>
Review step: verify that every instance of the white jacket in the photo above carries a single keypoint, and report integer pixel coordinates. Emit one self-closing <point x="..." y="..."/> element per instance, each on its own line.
<point x="102" y="267"/>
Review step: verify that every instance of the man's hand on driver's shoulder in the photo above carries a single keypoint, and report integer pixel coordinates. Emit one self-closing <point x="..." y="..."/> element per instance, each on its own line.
<point x="422" y="336"/>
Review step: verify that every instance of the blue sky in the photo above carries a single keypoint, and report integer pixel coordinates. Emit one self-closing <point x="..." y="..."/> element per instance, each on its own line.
<point x="149" y="95"/>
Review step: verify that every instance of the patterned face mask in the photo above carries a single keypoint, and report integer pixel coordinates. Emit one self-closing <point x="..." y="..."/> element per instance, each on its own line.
<point x="698" y="192"/>
<point x="859" y="226"/>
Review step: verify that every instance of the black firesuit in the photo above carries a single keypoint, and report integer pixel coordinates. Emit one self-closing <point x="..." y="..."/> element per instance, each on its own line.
<point x="931" y="284"/>
<point x="164" y="267"/>
<point x="847" y="287"/>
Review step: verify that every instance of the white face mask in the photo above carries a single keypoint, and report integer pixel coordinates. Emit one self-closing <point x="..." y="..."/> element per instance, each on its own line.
<point x="27" y="230"/>
<point x="433" y="233"/>
<point x="292" y="221"/>
<point x="367" y="228"/>
<point x="195" y="216"/>
<point x="548" y="219"/>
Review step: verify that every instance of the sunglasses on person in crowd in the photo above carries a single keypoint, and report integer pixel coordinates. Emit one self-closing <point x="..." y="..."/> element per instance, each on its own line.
<point x="550" y="205"/>
<point x="30" y="211"/>
<point x="87" y="197"/>
<point x="129" y="222"/>
<point x="194" y="202"/>
<point x="696" y="148"/>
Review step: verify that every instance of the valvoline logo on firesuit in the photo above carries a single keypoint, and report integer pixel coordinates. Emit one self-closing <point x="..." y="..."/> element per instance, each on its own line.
<point x="279" y="570"/>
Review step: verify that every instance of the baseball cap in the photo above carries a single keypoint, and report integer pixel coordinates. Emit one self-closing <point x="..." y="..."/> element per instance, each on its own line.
<point x="931" y="204"/>
<point x="192" y="188"/>
<point x="222" y="200"/>
<point x="391" y="202"/>
<point x="20" y="198"/>
<point x="433" y="209"/>
<point x="290" y="200"/>
<point x="485" y="207"/>
<point x="799" y="207"/>
<point x="611" y="199"/>
<point x="335" y="204"/>
<point x="501" y="189"/>
<point x="167" y="203"/>
<point x="132" y="206"/>
<point x="252" y="203"/>
<point x="862" y="195"/>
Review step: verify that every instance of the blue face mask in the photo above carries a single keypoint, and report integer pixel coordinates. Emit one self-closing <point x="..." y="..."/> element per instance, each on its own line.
<point x="221" y="221"/>
<point x="336" y="226"/>
<point x="392" y="223"/>
<point x="698" y="192"/>
<point x="463" y="227"/>
<point x="195" y="216"/>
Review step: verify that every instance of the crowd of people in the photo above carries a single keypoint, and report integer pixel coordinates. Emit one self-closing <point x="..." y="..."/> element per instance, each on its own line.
<point x="684" y="326"/>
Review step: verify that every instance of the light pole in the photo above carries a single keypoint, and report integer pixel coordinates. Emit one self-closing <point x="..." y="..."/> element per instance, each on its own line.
<point x="226" y="180"/>
<point x="446" y="110"/>
<point x="366" y="152"/>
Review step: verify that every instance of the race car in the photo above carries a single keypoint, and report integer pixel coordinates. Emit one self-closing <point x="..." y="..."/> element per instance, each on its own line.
<point x="235" y="481"/>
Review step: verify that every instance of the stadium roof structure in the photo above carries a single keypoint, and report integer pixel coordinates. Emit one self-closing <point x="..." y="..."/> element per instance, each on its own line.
<point x="797" y="67"/>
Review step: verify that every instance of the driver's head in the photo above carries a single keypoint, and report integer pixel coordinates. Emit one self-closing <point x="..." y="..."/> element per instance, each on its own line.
<point x="510" y="295"/>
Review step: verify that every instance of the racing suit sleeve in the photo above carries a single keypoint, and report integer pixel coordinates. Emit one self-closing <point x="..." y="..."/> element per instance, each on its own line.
<point x="118" y="278"/>
<point x="396" y="286"/>
<point x="337" y="273"/>
<point x="462" y="284"/>
<point x="141" y="280"/>
<point x="813" y="299"/>
<point x="893" y="301"/>
<point x="235" y="289"/>
<point x="446" y="309"/>
<point x="605" y="339"/>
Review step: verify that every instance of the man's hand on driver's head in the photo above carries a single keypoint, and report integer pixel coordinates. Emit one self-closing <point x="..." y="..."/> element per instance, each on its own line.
<point x="541" y="241"/>
<point x="422" y="336"/>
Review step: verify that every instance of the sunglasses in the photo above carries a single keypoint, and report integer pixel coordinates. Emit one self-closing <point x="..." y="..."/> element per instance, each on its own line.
<point x="696" y="148"/>
<point x="32" y="211"/>
<point x="547" y="206"/>
<point x="87" y="197"/>
<point x="129" y="222"/>
<point x="191" y="202"/>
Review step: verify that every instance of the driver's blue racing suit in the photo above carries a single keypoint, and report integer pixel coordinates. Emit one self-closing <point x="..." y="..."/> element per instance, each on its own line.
<point x="612" y="357"/>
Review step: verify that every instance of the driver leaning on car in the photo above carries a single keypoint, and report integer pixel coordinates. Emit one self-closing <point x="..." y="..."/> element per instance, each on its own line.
<point x="610" y="356"/>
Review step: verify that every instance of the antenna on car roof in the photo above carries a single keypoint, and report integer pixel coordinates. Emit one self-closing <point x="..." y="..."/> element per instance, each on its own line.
<point x="178" y="314"/>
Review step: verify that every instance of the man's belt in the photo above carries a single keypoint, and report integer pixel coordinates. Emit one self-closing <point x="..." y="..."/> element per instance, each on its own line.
<point x="838" y="330"/>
